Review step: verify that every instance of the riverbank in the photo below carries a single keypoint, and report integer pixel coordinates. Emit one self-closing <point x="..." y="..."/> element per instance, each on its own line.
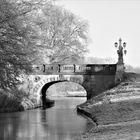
<point x="116" y="112"/>
<point x="10" y="102"/>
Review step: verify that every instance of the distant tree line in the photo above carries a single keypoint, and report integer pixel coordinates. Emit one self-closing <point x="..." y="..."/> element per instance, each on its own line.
<point x="129" y="68"/>
<point x="98" y="60"/>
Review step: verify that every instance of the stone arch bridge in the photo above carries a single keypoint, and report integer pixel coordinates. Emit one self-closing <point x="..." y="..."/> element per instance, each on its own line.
<point x="95" y="78"/>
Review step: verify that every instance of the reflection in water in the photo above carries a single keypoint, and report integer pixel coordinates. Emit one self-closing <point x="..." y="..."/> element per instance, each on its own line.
<point x="60" y="122"/>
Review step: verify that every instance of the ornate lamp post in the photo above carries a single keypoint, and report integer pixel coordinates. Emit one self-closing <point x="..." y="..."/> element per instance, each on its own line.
<point x="120" y="50"/>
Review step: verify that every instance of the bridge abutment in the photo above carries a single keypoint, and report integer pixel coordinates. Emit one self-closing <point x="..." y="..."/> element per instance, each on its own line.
<point x="96" y="84"/>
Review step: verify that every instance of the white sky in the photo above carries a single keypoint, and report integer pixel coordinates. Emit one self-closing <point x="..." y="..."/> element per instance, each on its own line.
<point x="108" y="21"/>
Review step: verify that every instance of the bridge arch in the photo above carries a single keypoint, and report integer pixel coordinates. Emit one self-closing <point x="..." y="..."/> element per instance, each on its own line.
<point x="43" y="90"/>
<point x="43" y="82"/>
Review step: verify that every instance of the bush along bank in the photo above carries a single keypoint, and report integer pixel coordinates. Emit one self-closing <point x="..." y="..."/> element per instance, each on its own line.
<point x="120" y="104"/>
<point x="9" y="103"/>
<point x="16" y="101"/>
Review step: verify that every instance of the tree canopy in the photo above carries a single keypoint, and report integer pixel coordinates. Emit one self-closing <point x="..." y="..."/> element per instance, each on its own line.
<point x="61" y="35"/>
<point x="36" y="31"/>
<point x="17" y="51"/>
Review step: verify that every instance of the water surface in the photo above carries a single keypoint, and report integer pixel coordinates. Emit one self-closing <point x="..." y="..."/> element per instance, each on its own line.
<point x="60" y="122"/>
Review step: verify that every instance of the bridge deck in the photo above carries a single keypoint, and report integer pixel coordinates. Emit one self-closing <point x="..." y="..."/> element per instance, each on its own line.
<point x="88" y="69"/>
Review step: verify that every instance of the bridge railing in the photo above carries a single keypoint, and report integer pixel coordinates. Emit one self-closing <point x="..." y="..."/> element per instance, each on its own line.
<point x="49" y="69"/>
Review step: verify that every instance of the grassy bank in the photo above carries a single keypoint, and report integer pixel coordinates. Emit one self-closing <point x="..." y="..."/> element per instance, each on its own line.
<point x="116" y="111"/>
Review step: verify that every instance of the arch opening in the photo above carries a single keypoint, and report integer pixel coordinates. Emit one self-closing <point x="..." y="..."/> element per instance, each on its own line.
<point x="45" y="101"/>
<point x="61" y="89"/>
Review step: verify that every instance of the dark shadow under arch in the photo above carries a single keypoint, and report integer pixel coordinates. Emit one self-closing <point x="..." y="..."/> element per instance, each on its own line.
<point x="45" y="101"/>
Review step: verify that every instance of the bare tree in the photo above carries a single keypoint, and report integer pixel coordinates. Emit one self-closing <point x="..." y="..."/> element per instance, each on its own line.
<point x="62" y="35"/>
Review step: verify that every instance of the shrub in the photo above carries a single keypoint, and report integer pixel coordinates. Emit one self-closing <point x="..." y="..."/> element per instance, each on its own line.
<point x="9" y="103"/>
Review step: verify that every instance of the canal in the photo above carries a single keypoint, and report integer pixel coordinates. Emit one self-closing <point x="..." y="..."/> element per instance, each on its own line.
<point x="60" y="122"/>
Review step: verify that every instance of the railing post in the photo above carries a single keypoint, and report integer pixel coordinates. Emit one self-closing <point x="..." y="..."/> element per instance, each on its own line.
<point x="74" y="67"/>
<point x="43" y="67"/>
<point x="58" y="67"/>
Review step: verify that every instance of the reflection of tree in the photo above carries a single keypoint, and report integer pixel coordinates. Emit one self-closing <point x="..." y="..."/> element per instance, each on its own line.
<point x="9" y="125"/>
